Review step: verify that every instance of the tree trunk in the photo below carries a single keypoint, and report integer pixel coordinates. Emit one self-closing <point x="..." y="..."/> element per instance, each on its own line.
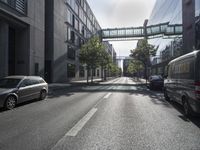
<point x="105" y="75"/>
<point x="102" y="77"/>
<point x="146" y="73"/>
<point x="87" y="74"/>
<point x="92" y="75"/>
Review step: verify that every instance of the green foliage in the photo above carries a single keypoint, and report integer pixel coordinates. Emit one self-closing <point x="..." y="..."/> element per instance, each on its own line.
<point x="134" y="67"/>
<point x="90" y="53"/>
<point x="105" y="59"/>
<point x="93" y="54"/>
<point x="143" y="51"/>
<point x="114" y="69"/>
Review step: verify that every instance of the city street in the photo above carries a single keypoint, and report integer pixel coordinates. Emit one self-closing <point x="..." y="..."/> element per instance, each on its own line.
<point x="120" y="114"/>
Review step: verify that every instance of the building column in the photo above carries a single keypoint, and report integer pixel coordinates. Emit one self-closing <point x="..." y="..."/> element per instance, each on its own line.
<point x="188" y="16"/>
<point x="4" y="33"/>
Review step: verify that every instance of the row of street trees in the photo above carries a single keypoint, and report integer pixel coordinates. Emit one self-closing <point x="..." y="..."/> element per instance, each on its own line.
<point x="94" y="55"/>
<point x="142" y="53"/>
<point x="135" y="67"/>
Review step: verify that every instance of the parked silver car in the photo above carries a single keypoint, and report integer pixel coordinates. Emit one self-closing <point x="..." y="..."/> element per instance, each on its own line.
<point x="18" y="89"/>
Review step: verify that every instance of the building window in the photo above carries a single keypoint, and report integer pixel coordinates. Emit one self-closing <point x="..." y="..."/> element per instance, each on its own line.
<point x="85" y="20"/>
<point x="72" y="37"/>
<point x="76" y="24"/>
<point x="71" y="53"/>
<point x="76" y="40"/>
<point x="81" y="13"/>
<point x="85" y="6"/>
<point x="69" y="16"/>
<point x="97" y="72"/>
<point x="71" y="3"/>
<point x="76" y="8"/>
<point x="71" y="70"/>
<point x="73" y="20"/>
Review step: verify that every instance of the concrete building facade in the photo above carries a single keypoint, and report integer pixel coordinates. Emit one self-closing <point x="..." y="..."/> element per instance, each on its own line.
<point x="69" y="24"/>
<point x="43" y="37"/>
<point x="22" y="37"/>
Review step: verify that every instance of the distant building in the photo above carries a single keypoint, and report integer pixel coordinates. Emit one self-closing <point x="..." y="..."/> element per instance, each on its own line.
<point x="110" y="50"/>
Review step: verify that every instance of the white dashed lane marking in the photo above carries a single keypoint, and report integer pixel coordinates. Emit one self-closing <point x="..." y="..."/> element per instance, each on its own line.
<point x="107" y="96"/>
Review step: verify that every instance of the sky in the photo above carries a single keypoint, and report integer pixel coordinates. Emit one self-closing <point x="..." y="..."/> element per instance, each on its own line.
<point x="121" y="13"/>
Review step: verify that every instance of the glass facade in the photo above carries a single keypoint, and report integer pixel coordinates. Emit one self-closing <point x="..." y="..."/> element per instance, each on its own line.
<point x="169" y="11"/>
<point x="197" y="7"/>
<point x="165" y="11"/>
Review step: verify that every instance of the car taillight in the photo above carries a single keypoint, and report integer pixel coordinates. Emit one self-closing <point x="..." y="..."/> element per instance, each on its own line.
<point x="197" y="90"/>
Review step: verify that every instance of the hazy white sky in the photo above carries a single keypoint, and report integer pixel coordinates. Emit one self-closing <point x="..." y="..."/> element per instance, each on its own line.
<point x="121" y="13"/>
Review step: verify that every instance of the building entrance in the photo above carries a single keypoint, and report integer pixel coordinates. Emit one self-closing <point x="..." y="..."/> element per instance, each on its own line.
<point x="11" y="52"/>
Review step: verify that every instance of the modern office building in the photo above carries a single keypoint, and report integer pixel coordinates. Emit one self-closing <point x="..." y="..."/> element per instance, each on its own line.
<point x="110" y="50"/>
<point x="43" y="37"/>
<point x="22" y="37"/>
<point x="185" y="12"/>
<point x="68" y="25"/>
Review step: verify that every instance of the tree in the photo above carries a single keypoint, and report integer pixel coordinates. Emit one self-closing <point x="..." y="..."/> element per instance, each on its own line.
<point x="134" y="67"/>
<point x="90" y="54"/>
<point x="114" y="69"/>
<point x="104" y="61"/>
<point x="143" y="52"/>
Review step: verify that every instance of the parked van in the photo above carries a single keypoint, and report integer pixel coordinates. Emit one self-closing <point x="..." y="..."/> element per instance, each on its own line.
<point x="183" y="82"/>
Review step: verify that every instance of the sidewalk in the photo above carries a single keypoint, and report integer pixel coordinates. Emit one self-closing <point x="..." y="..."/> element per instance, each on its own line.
<point x="139" y="80"/>
<point x="60" y="86"/>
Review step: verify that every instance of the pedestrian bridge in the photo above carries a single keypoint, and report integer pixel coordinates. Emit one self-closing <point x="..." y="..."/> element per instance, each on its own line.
<point x="124" y="58"/>
<point x="159" y="30"/>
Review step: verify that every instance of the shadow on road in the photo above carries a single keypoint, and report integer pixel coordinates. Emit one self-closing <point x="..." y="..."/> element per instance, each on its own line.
<point x="195" y="119"/>
<point x="139" y="89"/>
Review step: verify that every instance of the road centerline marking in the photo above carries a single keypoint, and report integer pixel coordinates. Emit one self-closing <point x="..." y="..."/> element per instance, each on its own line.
<point x="107" y="96"/>
<point x="76" y="128"/>
<point x="74" y="131"/>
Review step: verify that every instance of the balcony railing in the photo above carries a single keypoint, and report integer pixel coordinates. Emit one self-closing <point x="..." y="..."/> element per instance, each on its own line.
<point x="18" y="5"/>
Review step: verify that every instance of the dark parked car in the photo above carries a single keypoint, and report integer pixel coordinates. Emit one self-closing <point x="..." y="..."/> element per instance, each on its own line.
<point x="156" y="82"/>
<point x="18" y="89"/>
<point x="183" y="82"/>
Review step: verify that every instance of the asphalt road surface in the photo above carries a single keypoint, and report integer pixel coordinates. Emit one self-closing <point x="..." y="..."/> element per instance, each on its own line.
<point x="120" y="114"/>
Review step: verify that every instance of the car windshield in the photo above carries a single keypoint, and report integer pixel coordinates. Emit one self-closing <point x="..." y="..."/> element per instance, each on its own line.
<point x="9" y="83"/>
<point x="155" y="77"/>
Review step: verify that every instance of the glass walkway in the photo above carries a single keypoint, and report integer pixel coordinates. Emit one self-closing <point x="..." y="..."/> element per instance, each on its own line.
<point x="159" y="30"/>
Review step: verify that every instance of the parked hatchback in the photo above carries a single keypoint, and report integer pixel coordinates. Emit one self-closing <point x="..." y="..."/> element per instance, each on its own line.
<point x="18" y="89"/>
<point x="183" y="82"/>
<point x="156" y="82"/>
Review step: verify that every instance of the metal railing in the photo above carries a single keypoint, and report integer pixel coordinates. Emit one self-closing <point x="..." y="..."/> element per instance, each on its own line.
<point x="18" y="5"/>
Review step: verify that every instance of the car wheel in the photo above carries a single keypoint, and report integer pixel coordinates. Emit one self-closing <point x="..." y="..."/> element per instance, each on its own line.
<point x="10" y="102"/>
<point x="187" y="108"/>
<point x="43" y="94"/>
